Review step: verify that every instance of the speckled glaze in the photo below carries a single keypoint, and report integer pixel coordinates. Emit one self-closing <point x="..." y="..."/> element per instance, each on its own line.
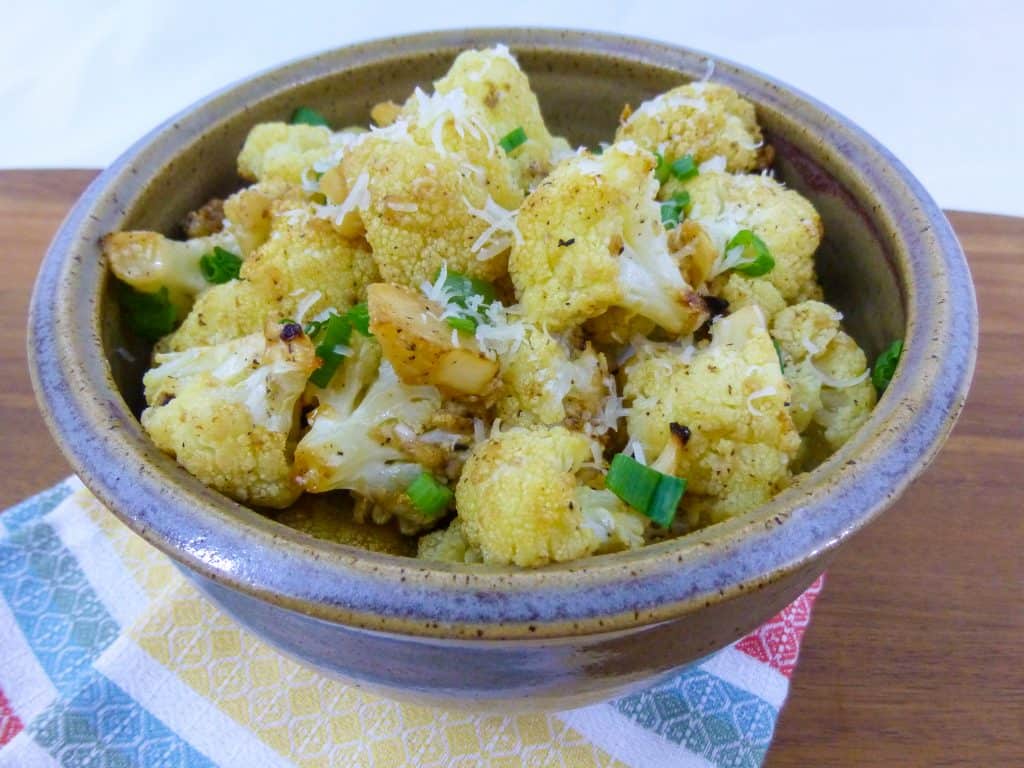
<point x="564" y="635"/>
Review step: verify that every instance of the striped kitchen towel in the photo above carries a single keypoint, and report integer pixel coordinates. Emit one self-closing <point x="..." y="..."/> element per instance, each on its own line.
<point x="111" y="658"/>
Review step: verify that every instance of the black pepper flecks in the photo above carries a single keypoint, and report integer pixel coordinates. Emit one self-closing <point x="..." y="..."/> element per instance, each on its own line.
<point x="290" y="331"/>
<point x="716" y="306"/>
<point x="681" y="431"/>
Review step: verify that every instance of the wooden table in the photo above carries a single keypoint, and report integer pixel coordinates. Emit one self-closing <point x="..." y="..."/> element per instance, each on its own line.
<point x="916" y="652"/>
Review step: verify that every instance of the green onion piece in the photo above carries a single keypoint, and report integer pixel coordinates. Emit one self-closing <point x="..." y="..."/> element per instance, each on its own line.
<point x="219" y="265"/>
<point x="672" y="211"/>
<point x="684" y="168"/>
<point x="150" y="315"/>
<point x="337" y="330"/>
<point x="308" y="116"/>
<point x="885" y="365"/>
<point x="663" y="170"/>
<point x="778" y="351"/>
<point x="512" y="139"/>
<point x="669" y="215"/>
<point x="460" y="287"/>
<point x="429" y="496"/>
<point x="467" y="324"/>
<point x="648" y="491"/>
<point x="759" y="260"/>
<point x="359" y="316"/>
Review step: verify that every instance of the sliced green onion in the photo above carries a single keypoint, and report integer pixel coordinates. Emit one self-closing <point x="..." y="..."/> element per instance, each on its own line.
<point x="885" y="365"/>
<point x="308" y="116"/>
<point x="460" y="287"/>
<point x="150" y="315"/>
<point x="467" y="324"/>
<point x="220" y="265"/>
<point x="663" y="169"/>
<point x="337" y="330"/>
<point x="684" y="168"/>
<point x="359" y="316"/>
<point x="778" y="351"/>
<point x="428" y="495"/>
<point x="648" y="491"/>
<point x="759" y="260"/>
<point x="672" y="210"/>
<point x="512" y="139"/>
<point x="669" y="215"/>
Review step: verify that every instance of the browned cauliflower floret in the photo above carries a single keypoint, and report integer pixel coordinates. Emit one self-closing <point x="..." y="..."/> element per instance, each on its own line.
<point x="731" y="398"/>
<point x="283" y="152"/>
<point x="373" y="435"/>
<point x="448" y="545"/>
<point x="248" y="213"/>
<point x="546" y="381"/>
<point x="742" y="291"/>
<point x="700" y="119"/>
<point x="724" y="204"/>
<point x="148" y="261"/>
<point x="500" y="91"/>
<point x="422" y="209"/>
<point x="303" y="269"/>
<point x="522" y="500"/>
<point x="832" y="390"/>
<point x="592" y="241"/>
<point x="228" y="413"/>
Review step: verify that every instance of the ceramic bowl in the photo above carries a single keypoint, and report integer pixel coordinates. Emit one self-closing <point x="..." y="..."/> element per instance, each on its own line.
<point x="568" y="634"/>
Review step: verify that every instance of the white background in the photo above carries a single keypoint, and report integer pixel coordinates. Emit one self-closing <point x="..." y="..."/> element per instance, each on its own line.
<point x="939" y="83"/>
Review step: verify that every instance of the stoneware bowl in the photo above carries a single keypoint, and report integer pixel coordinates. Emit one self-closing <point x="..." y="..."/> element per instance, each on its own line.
<point x="563" y="635"/>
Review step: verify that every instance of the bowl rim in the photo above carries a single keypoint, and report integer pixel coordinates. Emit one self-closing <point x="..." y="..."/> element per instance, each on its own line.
<point x="239" y="548"/>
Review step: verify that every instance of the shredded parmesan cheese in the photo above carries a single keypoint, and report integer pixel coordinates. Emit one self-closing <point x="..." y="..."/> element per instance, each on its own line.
<point x="358" y="198"/>
<point x="307" y="301"/>
<point x="501" y="231"/>
<point x="838" y="383"/>
<point x="768" y="391"/>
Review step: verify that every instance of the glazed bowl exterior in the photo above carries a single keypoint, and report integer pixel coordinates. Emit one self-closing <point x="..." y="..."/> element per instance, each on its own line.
<point x="484" y="636"/>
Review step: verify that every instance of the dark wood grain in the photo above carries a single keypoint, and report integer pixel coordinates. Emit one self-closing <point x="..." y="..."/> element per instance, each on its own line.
<point x="32" y="205"/>
<point x="916" y="652"/>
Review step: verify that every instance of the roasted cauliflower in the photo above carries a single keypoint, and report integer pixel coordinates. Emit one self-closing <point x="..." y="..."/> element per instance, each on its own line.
<point x="592" y="241"/>
<point x="828" y="372"/>
<point x="500" y="91"/>
<point x="724" y="204"/>
<point x="705" y="120"/>
<point x="228" y="412"/>
<point x="303" y="270"/>
<point x="732" y="401"/>
<point x="523" y="500"/>
<point x="373" y="435"/>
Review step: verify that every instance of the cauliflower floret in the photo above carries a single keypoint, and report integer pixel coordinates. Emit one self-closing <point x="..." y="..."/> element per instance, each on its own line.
<point x="700" y="119"/>
<point x="731" y="399"/>
<point x="742" y="291"/>
<point x="832" y="391"/>
<point x="723" y="204"/>
<point x="500" y="91"/>
<point x="249" y="212"/>
<point x="448" y="545"/>
<point x="148" y="261"/>
<point x="592" y="240"/>
<point x="422" y="206"/>
<point x="304" y="268"/>
<point x="283" y="152"/>
<point x="522" y="501"/>
<point x="228" y="412"/>
<point x="546" y="381"/>
<point x="371" y="434"/>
